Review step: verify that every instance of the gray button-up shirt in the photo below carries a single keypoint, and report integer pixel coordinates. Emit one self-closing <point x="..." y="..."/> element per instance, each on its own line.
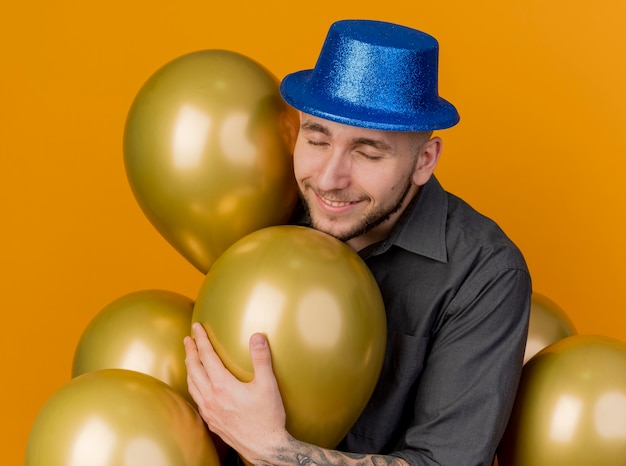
<point x="457" y="296"/>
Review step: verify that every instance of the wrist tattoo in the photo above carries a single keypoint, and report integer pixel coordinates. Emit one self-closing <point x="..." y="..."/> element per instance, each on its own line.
<point x="335" y="458"/>
<point x="303" y="454"/>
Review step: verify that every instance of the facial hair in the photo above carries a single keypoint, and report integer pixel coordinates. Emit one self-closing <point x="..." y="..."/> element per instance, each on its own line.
<point x="369" y="221"/>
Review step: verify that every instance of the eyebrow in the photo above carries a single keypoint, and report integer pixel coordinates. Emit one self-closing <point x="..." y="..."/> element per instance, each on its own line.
<point x="312" y="126"/>
<point x="376" y="143"/>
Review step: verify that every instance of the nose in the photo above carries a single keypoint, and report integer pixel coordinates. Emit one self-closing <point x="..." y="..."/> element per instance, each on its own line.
<point x="335" y="171"/>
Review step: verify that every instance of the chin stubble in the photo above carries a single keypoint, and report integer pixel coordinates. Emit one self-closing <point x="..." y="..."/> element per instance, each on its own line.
<point x="366" y="224"/>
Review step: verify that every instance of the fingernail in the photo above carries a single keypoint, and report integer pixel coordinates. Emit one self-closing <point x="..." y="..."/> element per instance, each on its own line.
<point x="257" y="340"/>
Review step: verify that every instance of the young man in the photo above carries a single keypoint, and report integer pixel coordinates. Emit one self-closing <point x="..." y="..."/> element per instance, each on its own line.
<point x="456" y="289"/>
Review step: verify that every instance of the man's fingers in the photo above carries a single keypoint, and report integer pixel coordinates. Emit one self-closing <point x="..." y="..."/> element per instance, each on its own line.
<point x="196" y="373"/>
<point x="193" y="389"/>
<point x="204" y="364"/>
<point x="209" y="358"/>
<point x="261" y="358"/>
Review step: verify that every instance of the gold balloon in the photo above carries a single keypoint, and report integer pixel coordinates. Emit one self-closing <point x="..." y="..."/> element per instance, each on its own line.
<point x="114" y="417"/>
<point x="141" y="331"/>
<point x="208" y="147"/>
<point x="322" y="312"/>
<point x="570" y="407"/>
<point x="548" y="324"/>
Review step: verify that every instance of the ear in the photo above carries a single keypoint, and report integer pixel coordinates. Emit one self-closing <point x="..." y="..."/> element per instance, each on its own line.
<point x="427" y="160"/>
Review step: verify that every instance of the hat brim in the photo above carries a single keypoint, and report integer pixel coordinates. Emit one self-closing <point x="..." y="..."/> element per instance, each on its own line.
<point x="296" y="92"/>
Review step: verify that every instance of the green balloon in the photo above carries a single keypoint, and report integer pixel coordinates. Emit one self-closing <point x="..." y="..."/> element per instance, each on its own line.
<point x="114" y="417"/>
<point x="208" y="147"/>
<point x="323" y="315"/>
<point x="548" y="324"/>
<point x="141" y="331"/>
<point x="570" y="407"/>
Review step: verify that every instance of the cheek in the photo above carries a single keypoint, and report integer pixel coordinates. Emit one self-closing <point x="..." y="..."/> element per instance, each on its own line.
<point x="385" y="182"/>
<point x="303" y="165"/>
<point x="299" y="165"/>
<point x="377" y="177"/>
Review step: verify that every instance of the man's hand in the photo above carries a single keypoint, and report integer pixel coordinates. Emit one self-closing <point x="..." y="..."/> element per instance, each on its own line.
<point x="250" y="417"/>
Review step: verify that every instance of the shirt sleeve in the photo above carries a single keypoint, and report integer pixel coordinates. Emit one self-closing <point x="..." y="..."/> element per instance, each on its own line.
<point x="470" y="377"/>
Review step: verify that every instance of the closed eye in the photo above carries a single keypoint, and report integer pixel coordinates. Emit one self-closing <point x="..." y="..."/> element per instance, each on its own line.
<point x="370" y="156"/>
<point x="317" y="143"/>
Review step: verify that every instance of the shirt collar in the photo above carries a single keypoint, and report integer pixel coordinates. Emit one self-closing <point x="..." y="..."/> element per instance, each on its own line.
<point x="422" y="227"/>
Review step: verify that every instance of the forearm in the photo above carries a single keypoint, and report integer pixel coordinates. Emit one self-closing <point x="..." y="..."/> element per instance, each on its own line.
<point x="297" y="453"/>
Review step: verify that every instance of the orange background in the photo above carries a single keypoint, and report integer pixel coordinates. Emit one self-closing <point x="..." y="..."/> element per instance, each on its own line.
<point x="541" y="148"/>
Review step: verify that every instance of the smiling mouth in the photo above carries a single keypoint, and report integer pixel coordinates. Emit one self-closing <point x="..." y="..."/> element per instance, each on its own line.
<point x="335" y="201"/>
<point x="331" y="203"/>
